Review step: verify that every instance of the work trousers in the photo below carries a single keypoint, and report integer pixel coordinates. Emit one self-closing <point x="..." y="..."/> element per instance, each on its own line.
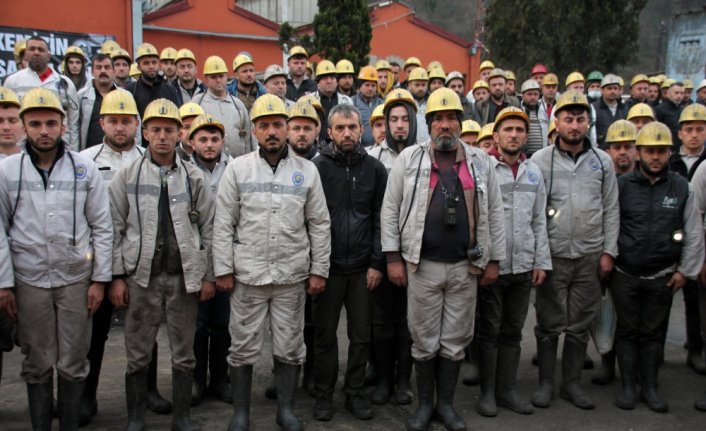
<point x="143" y="317"/>
<point x="569" y="299"/>
<point x="54" y="329"/>
<point x="441" y="304"/>
<point x="503" y="309"/>
<point x="250" y="306"/>
<point x="390" y="311"/>
<point x="351" y="291"/>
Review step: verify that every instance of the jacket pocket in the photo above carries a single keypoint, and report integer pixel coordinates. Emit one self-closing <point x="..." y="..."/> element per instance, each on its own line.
<point x="78" y="259"/>
<point x="243" y="260"/>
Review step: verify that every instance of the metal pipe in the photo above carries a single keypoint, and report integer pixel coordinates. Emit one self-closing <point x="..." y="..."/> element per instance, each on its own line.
<point x="209" y="33"/>
<point x="136" y="24"/>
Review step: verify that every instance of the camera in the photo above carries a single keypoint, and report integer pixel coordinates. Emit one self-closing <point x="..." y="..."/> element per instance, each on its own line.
<point x="475" y="252"/>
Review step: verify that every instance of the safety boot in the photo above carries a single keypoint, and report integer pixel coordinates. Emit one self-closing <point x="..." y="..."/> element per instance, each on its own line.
<point x="506" y="376"/>
<point x="572" y="363"/>
<point x="546" y="360"/>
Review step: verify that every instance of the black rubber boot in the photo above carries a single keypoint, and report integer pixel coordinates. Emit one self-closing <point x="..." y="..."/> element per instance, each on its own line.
<point x="155" y="401"/>
<point x="649" y="367"/>
<point x="308" y="374"/>
<point x="588" y="362"/>
<point x="446" y="379"/>
<point x="487" y="359"/>
<point x="40" y="397"/>
<point x="572" y="363"/>
<point x="426" y="376"/>
<point x="89" y="404"/>
<point x="287" y="378"/>
<point x="700" y="404"/>
<point x="271" y="389"/>
<point x="506" y="376"/>
<point x="200" y="370"/>
<point x="69" y="396"/>
<point x="627" y="361"/>
<point x="218" y="384"/>
<point x="403" y="389"/>
<point x="606" y="372"/>
<point x="136" y="397"/>
<point x="241" y="382"/>
<point x="695" y="361"/>
<point x="546" y="361"/>
<point x="384" y="348"/>
<point x="471" y="373"/>
<point x="182" y="383"/>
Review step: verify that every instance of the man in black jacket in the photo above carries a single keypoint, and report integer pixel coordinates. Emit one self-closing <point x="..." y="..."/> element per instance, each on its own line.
<point x="669" y="110"/>
<point x="298" y="84"/>
<point x="609" y="107"/>
<point x="151" y="85"/>
<point x="354" y="184"/>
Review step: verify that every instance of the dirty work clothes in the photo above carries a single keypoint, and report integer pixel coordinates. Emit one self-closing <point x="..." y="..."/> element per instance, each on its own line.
<point x="503" y="309"/>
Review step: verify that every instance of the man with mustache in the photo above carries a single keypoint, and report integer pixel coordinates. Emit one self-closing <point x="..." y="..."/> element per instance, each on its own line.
<point x="91" y="97"/>
<point x="441" y="238"/>
<point x="620" y="145"/>
<point x="303" y="130"/>
<point x="537" y="134"/>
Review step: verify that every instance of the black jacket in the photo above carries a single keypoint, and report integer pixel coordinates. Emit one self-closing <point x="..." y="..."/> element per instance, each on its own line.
<point x="145" y="92"/>
<point x="604" y="118"/>
<point x="668" y="113"/>
<point x="649" y="214"/>
<point x="307" y="86"/>
<point x="354" y="190"/>
<point x="677" y="165"/>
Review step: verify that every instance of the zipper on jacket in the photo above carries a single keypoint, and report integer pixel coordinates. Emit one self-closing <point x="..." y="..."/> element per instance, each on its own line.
<point x="349" y="208"/>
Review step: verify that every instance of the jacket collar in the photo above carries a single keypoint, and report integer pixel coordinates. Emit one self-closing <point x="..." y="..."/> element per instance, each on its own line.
<point x="330" y="151"/>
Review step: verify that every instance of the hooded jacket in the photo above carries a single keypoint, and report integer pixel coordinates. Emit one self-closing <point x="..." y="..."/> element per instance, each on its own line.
<point x="387" y="153"/>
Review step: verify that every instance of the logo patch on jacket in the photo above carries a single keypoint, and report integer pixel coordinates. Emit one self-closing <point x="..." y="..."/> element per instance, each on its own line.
<point x="594" y="165"/>
<point x="80" y="171"/>
<point x="532" y="177"/>
<point x="297" y="179"/>
<point x="670" y="203"/>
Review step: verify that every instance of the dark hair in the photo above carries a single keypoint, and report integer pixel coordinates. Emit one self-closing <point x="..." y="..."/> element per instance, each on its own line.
<point x="394" y="63"/>
<point x="99" y="57"/>
<point x="346" y="111"/>
<point x="209" y="129"/>
<point x="37" y="38"/>
<point x="575" y="110"/>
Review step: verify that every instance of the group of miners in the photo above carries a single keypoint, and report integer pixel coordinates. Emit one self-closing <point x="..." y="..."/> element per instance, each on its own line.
<point x="232" y="206"/>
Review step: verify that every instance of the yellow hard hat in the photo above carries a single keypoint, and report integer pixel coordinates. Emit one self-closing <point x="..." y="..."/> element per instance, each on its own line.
<point x="308" y="66"/>
<point x="693" y="112"/>
<point x="161" y="108"/>
<point x="571" y="98"/>
<point x="266" y="105"/>
<point x="303" y="110"/>
<point x="146" y="50"/>
<point x="550" y="79"/>
<point x="297" y="50"/>
<point x="552" y="127"/>
<point x="437" y="73"/>
<point x="41" y="98"/>
<point x="120" y="53"/>
<point x="668" y="83"/>
<point x="487" y="64"/>
<point x="496" y="73"/>
<point x="324" y="68"/>
<point x="240" y="60"/>
<point x="185" y="54"/>
<point x="655" y="80"/>
<point x="621" y="131"/>
<point x="640" y="77"/>
<point x="443" y="99"/>
<point x="654" y="134"/>
<point x="205" y="120"/>
<point x="688" y="84"/>
<point x="190" y="109"/>
<point x="486" y="132"/>
<point x="313" y="101"/>
<point x="511" y="112"/>
<point x="8" y="96"/>
<point x="382" y="65"/>
<point x="480" y="84"/>
<point x="368" y="73"/>
<point x="574" y="77"/>
<point x="641" y="110"/>
<point x="470" y="126"/>
<point x="400" y="95"/>
<point x="134" y="71"/>
<point x="418" y="74"/>
<point x="377" y="114"/>
<point x="510" y="75"/>
<point x="345" y="67"/>
<point x="109" y="46"/>
<point x="662" y="77"/>
<point x="119" y="102"/>
<point x="75" y="50"/>
<point x="434" y="65"/>
<point x="412" y="61"/>
<point x="20" y="47"/>
<point x="168" y="53"/>
<point x="214" y="64"/>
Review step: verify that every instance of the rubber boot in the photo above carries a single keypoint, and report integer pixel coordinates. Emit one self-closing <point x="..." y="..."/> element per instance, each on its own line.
<point x="487" y="359"/>
<point x="287" y="377"/>
<point x="308" y="374"/>
<point x="546" y="361"/>
<point x="40" y="397"/>
<point x="200" y="370"/>
<point x="182" y="383"/>
<point x="89" y="404"/>
<point x="700" y="404"/>
<point x="371" y="371"/>
<point x="649" y="367"/>
<point x="426" y="376"/>
<point x="218" y="384"/>
<point x="403" y="389"/>
<point x="695" y="361"/>
<point x="606" y="372"/>
<point x="506" y="376"/>
<point x="572" y="364"/>
<point x="136" y="397"/>
<point x="588" y="362"/>
<point x="69" y="395"/>
<point x="271" y="389"/>
<point x="384" y="348"/>
<point x="627" y="361"/>
<point x="241" y="382"/>
<point x="446" y="380"/>
<point x="155" y="402"/>
<point x="471" y="373"/>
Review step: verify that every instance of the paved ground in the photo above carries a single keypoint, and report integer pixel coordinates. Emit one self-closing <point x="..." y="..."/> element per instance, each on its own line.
<point x="679" y="385"/>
